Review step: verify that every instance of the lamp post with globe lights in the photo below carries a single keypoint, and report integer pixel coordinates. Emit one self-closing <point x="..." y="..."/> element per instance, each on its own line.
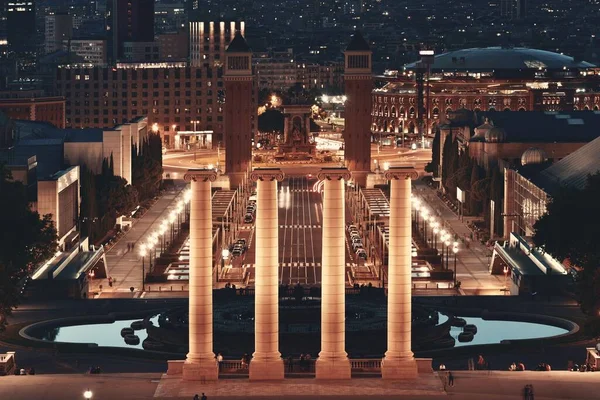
<point x="88" y="394"/>
<point x="143" y="255"/>
<point x="447" y="243"/>
<point x="455" y="251"/>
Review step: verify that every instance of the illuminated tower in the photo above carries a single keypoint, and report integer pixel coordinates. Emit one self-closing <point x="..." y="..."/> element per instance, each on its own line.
<point x="238" y="110"/>
<point x="358" y="84"/>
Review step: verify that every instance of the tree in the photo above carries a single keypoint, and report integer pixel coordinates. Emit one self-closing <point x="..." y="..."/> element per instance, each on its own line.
<point x="146" y="164"/>
<point x="433" y="166"/>
<point x="271" y="120"/>
<point x="569" y="230"/>
<point x="496" y="194"/>
<point x="446" y="159"/>
<point x="26" y="240"/>
<point x="475" y="191"/>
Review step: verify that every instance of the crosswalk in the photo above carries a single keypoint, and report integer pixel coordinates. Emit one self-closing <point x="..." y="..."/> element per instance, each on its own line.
<point x="300" y="264"/>
<point x="299" y="226"/>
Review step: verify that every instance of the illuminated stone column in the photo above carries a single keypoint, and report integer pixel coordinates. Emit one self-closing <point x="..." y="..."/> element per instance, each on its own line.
<point x="200" y="363"/>
<point x="399" y="362"/>
<point x="266" y="361"/>
<point x="333" y="360"/>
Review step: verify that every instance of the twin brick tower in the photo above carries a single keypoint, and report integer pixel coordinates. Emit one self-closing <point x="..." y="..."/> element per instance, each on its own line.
<point x="333" y="361"/>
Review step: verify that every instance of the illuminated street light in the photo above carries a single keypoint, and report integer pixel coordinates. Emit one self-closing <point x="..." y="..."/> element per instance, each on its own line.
<point x="88" y="394"/>
<point x="155" y="127"/>
<point x="455" y="251"/>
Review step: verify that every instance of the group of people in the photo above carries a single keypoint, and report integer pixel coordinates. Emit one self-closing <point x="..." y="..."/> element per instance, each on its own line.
<point x="130" y="246"/>
<point x="246" y="360"/>
<point x="543" y="367"/>
<point x="304" y="363"/>
<point x="584" y="367"/>
<point x="196" y="397"/>
<point x="517" y="367"/>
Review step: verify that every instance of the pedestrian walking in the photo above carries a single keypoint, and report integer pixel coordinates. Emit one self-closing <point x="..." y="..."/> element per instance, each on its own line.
<point x="526" y="392"/>
<point x="219" y="360"/>
<point x="450" y="378"/>
<point x="110" y="281"/>
<point x="203" y="397"/>
<point x="530" y="392"/>
<point x="196" y="397"/>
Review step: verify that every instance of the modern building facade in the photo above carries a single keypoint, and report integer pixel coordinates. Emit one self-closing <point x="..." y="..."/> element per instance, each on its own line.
<point x="128" y="21"/>
<point x="20" y="26"/>
<point x="171" y="95"/>
<point x="57" y="28"/>
<point x="93" y="51"/>
<point x="209" y="40"/>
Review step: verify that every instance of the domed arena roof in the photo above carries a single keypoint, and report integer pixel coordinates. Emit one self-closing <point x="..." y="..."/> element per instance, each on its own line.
<point x="533" y="155"/>
<point x="499" y="58"/>
<point x="495" y="135"/>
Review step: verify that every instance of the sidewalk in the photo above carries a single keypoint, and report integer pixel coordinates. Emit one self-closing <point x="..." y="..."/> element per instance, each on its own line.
<point x="472" y="262"/>
<point x="124" y="266"/>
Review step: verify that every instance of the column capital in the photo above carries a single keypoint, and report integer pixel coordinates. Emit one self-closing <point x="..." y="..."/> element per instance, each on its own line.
<point x="401" y="173"/>
<point x="266" y="174"/>
<point x="200" y="175"/>
<point x="333" y="173"/>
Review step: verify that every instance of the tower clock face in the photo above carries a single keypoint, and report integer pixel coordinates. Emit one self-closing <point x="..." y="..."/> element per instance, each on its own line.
<point x="221" y="96"/>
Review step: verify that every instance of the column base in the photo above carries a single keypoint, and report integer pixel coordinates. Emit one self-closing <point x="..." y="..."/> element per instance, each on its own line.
<point x="399" y="368"/>
<point x="333" y="368"/>
<point x="266" y="370"/>
<point x="205" y="371"/>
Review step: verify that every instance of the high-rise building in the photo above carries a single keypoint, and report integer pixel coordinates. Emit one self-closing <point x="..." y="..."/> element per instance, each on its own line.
<point x="20" y="26"/>
<point x="208" y="41"/>
<point x="513" y="9"/>
<point x="58" y="27"/>
<point x="128" y="21"/>
<point x="3" y="38"/>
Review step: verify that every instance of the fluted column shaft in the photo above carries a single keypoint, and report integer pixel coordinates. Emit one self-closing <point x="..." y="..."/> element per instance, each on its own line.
<point x="399" y="276"/>
<point x="200" y="362"/>
<point x="267" y="287"/>
<point x="266" y="362"/>
<point x="333" y="360"/>
<point x="399" y="362"/>
<point x="333" y="281"/>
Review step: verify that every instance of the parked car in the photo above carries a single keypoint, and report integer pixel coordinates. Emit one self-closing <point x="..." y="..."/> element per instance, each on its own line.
<point x="241" y="241"/>
<point x="352" y="228"/>
<point x="237" y="251"/>
<point x="249" y="218"/>
<point x="361" y="253"/>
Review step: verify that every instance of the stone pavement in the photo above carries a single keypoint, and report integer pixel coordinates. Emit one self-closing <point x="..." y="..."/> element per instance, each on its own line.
<point x="472" y="262"/>
<point x="126" y="266"/>
<point x="468" y="385"/>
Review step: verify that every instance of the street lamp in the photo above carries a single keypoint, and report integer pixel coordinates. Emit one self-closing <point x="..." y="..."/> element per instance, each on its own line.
<point x="155" y="127"/>
<point x="447" y="243"/>
<point x="88" y="394"/>
<point x="505" y="276"/>
<point x="455" y="251"/>
<point x="224" y="256"/>
<point x="143" y="254"/>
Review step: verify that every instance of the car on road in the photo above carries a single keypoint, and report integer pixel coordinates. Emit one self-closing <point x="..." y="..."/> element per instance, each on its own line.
<point x="237" y="251"/>
<point x="249" y="218"/>
<point x="352" y="228"/>
<point x="356" y="246"/>
<point x="354" y="236"/>
<point x="361" y="253"/>
<point x="241" y="241"/>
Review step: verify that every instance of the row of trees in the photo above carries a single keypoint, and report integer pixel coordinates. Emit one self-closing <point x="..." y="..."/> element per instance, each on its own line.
<point x="26" y="240"/>
<point x="106" y="196"/>
<point x="570" y="230"/>
<point x="146" y="166"/>
<point x="459" y="170"/>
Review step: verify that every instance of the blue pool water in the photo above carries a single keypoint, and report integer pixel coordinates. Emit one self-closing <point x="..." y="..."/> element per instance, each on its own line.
<point x="488" y="332"/>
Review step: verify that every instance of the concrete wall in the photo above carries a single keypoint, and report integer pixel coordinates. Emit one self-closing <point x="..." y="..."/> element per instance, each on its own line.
<point x="88" y="153"/>
<point x="112" y="144"/>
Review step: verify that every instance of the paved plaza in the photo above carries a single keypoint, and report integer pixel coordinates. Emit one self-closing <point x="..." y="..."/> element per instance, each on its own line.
<point x="473" y="385"/>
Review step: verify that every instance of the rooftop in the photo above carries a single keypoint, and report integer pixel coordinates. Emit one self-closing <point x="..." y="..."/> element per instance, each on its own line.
<point x="358" y="43"/>
<point x="503" y="58"/>
<point x="238" y="44"/>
